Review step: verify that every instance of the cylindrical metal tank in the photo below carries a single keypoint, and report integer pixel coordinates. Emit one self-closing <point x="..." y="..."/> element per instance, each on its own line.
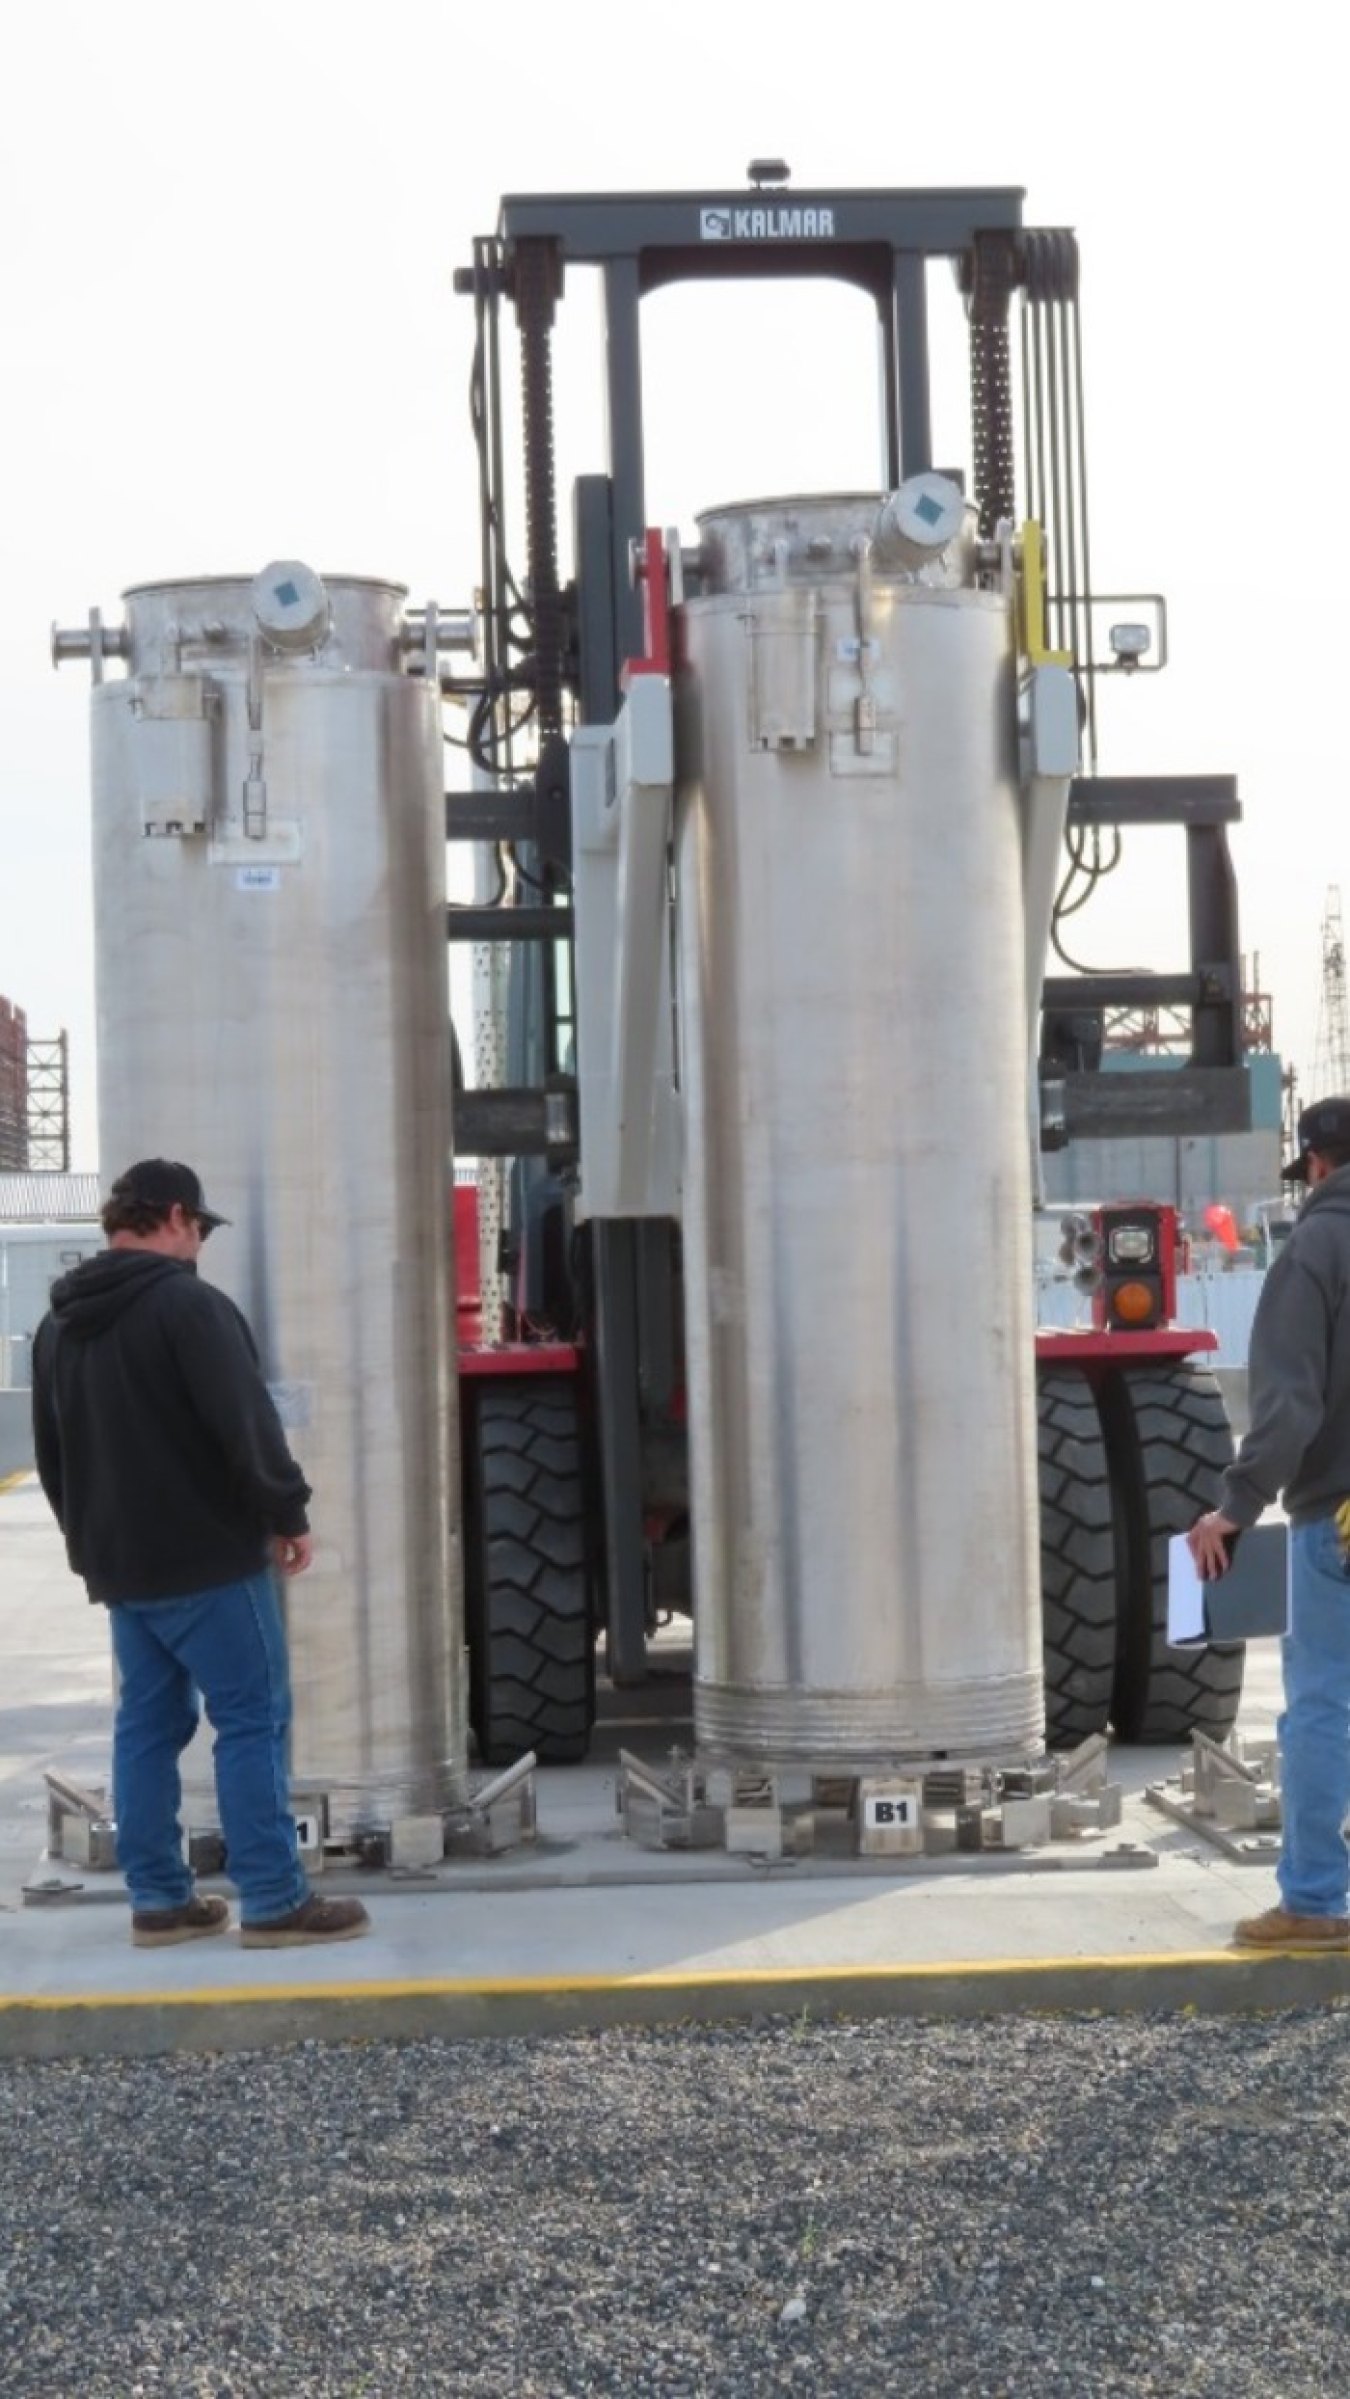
<point x="853" y="1059"/>
<point x="272" y="994"/>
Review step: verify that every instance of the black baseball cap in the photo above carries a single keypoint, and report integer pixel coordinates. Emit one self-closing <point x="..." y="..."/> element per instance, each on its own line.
<point x="166" y="1182"/>
<point x="1324" y="1126"/>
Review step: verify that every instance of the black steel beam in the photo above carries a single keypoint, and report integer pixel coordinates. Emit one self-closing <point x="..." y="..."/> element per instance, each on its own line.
<point x="598" y="691"/>
<point x="1203" y="806"/>
<point x="1154" y="800"/>
<point x="1065" y="994"/>
<point x="1177" y="1101"/>
<point x="516" y="1121"/>
<point x="487" y="815"/>
<point x="468" y="923"/>
<point x="907" y="347"/>
<point x="746" y="229"/>
<point x="1217" y="1024"/>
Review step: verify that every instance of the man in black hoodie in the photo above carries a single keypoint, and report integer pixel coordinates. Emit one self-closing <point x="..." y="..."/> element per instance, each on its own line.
<point x="1298" y="1444"/>
<point x="167" y="1469"/>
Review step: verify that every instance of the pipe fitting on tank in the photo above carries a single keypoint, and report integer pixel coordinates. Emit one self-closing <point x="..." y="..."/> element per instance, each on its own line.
<point x="254" y="794"/>
<point x="255" y="799"/>
<point x="94" y="641"/>
<point x="427" y="632"/>
<point x="919" y="522"/>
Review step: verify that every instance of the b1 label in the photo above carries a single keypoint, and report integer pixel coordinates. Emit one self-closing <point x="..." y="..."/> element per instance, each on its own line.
<point x="897" y="1812"/>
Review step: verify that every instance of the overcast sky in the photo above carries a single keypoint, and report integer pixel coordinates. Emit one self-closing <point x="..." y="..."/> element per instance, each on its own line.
<point x="231" y="336"/>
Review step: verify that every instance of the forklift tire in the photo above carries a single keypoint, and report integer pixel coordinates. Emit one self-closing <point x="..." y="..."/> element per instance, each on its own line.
<point x="527" y="1587"/>
<point x="1078" y="1565"/>
<point x="1168" y="1439"/>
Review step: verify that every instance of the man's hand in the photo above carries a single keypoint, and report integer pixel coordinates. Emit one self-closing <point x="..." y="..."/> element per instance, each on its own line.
<point x="1208" y="1542"/>
<point x="293" y="1552"/>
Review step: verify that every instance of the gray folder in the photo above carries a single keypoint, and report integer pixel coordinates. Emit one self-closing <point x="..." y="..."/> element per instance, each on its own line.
<point x="1249" y="1603"/>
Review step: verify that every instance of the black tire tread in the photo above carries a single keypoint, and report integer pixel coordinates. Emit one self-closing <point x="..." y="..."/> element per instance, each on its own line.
<point x="1170" y="1440"/>
<point x="531" y="1639"/>
<point x="1078" y="1570"/>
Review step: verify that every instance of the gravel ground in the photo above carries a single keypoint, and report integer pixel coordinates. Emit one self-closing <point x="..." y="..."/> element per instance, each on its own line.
<point x="1056" y="2208"/>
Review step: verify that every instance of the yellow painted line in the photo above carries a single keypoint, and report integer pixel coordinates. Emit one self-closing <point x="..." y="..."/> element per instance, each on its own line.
<point x="11" y="1482"/>
<point x="544" y="1986"/>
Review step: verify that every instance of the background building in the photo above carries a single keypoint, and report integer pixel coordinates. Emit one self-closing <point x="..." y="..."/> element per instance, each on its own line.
<point x="48" y="1223"/>
<point x="13" y="1085"/>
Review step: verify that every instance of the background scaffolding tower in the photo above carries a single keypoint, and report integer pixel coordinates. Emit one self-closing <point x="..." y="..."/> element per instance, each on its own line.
<point x="49" y="1106"/>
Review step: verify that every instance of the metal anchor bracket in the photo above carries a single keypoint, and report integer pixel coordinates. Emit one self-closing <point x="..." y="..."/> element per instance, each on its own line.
<point x="80" y="1837"/>
<point x="667" y="1810"/>
<point x="499" y="1814"/>
<point x="80" y="1826"/>
<point x="1229" y="1792"/>
<point x="911" y="1811"/>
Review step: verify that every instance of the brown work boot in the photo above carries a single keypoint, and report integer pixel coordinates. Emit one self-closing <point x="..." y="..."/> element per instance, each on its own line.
<point x="162" y="1928"/>
<point x="314" y="1920"/>
<point x="1278" y="1929"/>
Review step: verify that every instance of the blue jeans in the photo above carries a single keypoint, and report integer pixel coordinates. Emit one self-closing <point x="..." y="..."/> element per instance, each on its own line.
<point x="1314" y="1731"/>
<point x="228" y="1644"/>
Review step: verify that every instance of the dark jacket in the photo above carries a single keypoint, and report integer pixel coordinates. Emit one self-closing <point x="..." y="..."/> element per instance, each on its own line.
<point x="1298" y="1371"/>
<point x="155" y="1436"/>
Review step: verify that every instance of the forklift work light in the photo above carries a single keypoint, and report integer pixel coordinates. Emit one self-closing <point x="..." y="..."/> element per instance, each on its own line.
<point x="1130" y="643"/>
<point x="1132" y="1245"/>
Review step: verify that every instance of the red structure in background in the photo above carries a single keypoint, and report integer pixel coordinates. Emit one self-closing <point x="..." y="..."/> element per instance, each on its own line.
<point x="1166" y="1031"/>
<point x="13" y="1086"/>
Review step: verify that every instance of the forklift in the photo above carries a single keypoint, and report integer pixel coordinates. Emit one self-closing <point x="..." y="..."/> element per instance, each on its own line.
<point x="575" y="1326"/>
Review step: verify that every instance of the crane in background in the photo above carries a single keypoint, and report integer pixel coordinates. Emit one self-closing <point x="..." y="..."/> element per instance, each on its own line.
<point x="1331" y="1057"/>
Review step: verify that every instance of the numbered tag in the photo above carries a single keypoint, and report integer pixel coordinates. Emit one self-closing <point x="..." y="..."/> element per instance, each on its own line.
<point x="890" y="1816"/>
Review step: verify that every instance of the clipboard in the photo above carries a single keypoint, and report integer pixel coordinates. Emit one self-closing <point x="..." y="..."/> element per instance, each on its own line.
<point x="1248" y="1603"/>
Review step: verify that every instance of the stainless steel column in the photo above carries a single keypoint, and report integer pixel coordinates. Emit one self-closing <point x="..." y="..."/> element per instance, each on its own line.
<point x="857" y="1210"/>
<point x="272" y="991"/>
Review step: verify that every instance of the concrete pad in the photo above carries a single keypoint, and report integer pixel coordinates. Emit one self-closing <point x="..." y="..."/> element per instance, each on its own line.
<point x="584" y="1927"/>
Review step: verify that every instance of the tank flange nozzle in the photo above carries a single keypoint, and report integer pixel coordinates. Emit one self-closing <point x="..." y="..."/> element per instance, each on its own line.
<point x="919" y="521"/>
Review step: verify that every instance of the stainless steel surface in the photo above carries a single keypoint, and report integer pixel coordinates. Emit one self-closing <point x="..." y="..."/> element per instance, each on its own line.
<point x="273" y="1007"/>
<point x="853" y="1059"/>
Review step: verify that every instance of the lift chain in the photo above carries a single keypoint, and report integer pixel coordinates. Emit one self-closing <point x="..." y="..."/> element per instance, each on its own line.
<point x="536" y="290"/>
<point x="1056" y="465"/>
<point x="990" y="272"/>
